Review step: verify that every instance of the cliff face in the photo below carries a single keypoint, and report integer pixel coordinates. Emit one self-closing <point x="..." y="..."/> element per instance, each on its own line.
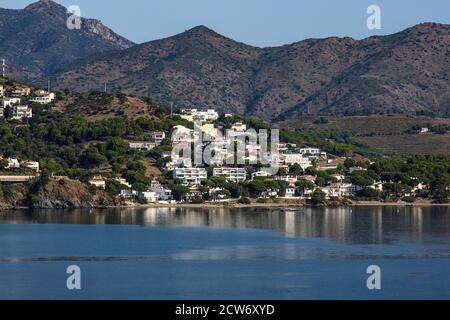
<point x="64" y="194"/>
<point x="13" y="195"/>
<point x="56" y="194"/>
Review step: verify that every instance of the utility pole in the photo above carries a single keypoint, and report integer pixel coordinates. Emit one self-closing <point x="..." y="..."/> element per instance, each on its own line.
<point x="105" y="87"/>
<point x="48" y="86"/>
<point x="171" y="109"/>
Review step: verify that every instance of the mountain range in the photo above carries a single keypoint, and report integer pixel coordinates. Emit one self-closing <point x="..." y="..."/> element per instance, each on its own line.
<point x="407" y="72"/>
<point x="35" y="41"/>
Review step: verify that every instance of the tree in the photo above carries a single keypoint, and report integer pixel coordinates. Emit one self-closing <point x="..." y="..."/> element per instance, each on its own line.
<point x="140" y="187"/>
<point x="179" y="191"/>
<point x="318" y="197"/>
<point x="296" y="169"/>
<point x="8" y="112"/>
<point x="256" y="187"/>
<point x="305" y="184"/>
<point x="3" y="164"/>
<point x="92" y="158"/>
<point x="368" y="193"/>
<point x="113" y="187"/>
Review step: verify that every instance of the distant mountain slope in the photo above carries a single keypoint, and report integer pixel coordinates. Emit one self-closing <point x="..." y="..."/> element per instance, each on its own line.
<point x="407" y="72"/>
<point x="403" y="73"/>
<point x="35" y="41"/>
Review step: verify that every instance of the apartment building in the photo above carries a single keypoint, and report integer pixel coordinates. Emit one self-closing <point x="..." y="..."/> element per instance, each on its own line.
<point x="190" y="176"/>
<point x="231" y="174"/>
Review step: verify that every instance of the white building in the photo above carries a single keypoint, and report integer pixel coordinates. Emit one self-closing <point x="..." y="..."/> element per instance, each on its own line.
<point x="290" y="192"/>
<point x="34" y="165"/>
<point x="128" y="193"/>
<point x="123" y="181"/>
<point x="339" y="190"/>
<point x="289" y="179"/>
<point x="310" y="151"/>
<point x="142" y="145"/>
<point x="377" y="185"/>
<point x="163" y="194"/>
<point x="43" y="97"/>
<point x="239" y="127"/>
<point x="13" y="163"/>
<point x="200" y="116"/>
<point x="338" y="177"/>
<point x="260" y="174"/>
<point x="22" y="112"/>
<point x="231" y="174"/>
<point x="293" y="158"/>
<point x="353" y="169"/>
<point x="98" y="181"/>
<point x="148" y="196"/>
<point x="158" y="136"/>
<point x="190" y="176"/>
<point x="10" y="102"/>
<point x="21" y="91"/>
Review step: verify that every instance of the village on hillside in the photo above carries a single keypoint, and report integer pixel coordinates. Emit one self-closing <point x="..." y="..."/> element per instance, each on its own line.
<point x="303" y="172"/>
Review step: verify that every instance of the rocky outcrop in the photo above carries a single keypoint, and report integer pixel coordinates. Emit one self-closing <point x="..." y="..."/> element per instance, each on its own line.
<point x="66" y="194"/>
<point x="13" y="195"/>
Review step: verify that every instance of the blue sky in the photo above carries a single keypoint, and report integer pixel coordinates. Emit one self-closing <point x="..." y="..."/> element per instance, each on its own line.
<point x="256" y="22"/>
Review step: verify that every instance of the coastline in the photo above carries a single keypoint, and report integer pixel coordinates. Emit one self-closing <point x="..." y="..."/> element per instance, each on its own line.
<point x="228" y="205"/>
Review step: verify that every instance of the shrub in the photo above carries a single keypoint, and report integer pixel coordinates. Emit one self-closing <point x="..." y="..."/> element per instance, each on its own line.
<point x="244" y="201"/>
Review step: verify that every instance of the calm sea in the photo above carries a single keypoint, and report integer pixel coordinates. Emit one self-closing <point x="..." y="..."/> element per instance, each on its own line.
<point x="175" y="253"/>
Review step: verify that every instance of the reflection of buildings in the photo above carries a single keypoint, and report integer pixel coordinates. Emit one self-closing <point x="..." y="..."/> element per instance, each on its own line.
<point x="356" y="225"/>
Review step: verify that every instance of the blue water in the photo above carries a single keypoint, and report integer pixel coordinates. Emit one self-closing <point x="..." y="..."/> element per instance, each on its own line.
<point x="226" y="253"/>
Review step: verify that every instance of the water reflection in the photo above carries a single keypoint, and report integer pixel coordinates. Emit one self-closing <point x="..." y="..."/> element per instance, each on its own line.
<point x="359" y="225"/>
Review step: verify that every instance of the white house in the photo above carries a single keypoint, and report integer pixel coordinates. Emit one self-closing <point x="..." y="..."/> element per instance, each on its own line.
<point x="148" y="196"/>
<point x="21" y="91"/>
<point x="290" y="192"/>
<point x="123" y="181"/>
<point x="339" y="190"/>
<point x="128" y="193"/>
<point x="10" y="102"/>
<point x="142" y="145"/>
<point x="34" y="165"/>
<point x="13" y="163"/>
<point x="293" y="158"/>
<point x="313" y="152"/>
<point x="158" y="136"/>
<point x="201" y="116"/>
<point x="98" y="181"/>
<point x="162" y="193"/>
<point x="22" y="112"/>
<point x="338" y="177"/>
<point x="231" y="174"/>
<point x="260" y="173"/>
<point x="353" y="169"/>
<point x="377" y="185"/>
<point x="43" y="97"/>
<point x="190" y="176"/>
<point x="239" y="127"/>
